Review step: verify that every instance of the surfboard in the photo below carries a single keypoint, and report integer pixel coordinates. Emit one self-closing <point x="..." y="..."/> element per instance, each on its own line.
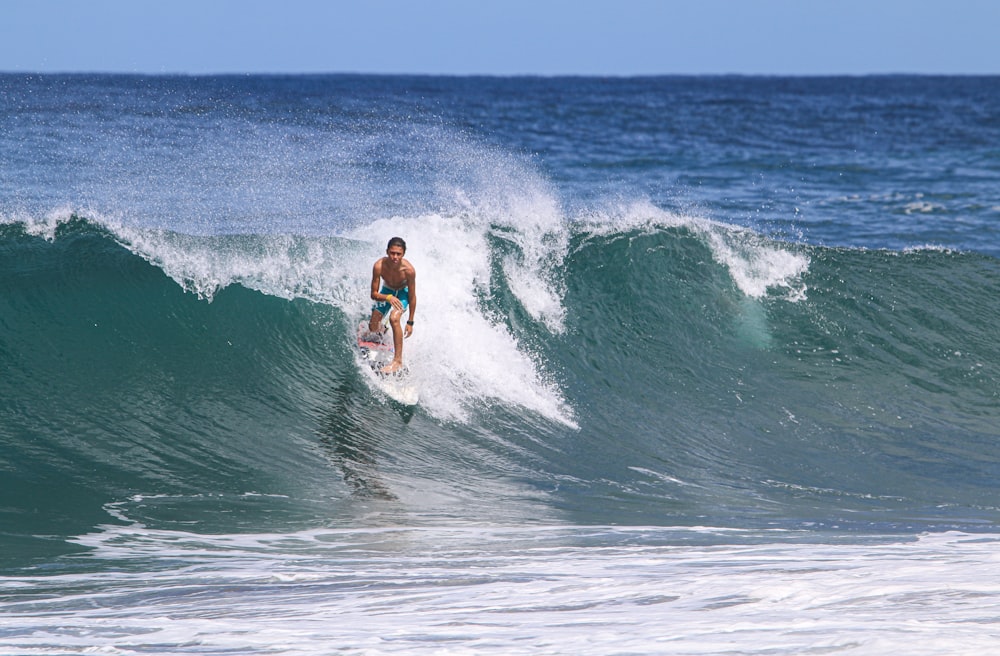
<point x="376" y="351"/>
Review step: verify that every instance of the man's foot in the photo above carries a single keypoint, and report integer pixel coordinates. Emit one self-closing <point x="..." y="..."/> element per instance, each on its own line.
<point x="392" y="367"/>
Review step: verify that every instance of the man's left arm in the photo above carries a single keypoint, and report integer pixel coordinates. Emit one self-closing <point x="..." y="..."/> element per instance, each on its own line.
<point x="412" y="293"/>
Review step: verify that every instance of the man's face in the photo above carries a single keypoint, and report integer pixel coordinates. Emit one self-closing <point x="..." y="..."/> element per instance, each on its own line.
<point x="395" y="254"/>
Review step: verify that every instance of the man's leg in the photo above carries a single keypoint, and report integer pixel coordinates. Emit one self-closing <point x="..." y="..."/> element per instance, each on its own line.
<point x="375" y="323"/>
<point x="397" y="342"/>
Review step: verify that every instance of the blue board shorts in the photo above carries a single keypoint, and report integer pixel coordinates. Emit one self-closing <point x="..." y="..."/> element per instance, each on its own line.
<point x="384" y="307"/>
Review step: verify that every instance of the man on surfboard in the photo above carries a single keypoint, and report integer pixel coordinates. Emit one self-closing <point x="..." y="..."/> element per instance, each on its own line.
<point x="394" y="289"/>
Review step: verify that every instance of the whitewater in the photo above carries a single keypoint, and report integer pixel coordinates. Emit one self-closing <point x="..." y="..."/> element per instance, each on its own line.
<point x="706" y="365"/>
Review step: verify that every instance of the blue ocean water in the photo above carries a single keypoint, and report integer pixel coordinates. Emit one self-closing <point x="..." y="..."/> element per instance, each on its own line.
<point x="706" y="365"/>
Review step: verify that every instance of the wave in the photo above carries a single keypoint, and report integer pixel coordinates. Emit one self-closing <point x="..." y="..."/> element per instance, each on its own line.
<point x="620" y="367"/>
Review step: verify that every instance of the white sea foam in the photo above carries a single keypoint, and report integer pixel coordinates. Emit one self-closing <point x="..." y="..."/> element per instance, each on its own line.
<point x="755" y="264"/>
<point x="542" y="590"/>
<point x="462" y="355"/>
<point x="44" y="225"/>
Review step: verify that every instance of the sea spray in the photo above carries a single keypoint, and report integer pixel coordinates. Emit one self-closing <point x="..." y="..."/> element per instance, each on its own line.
<point x="462" y="354"/>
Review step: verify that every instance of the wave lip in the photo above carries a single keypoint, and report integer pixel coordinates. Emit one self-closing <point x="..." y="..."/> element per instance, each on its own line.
<point x="755" y="264"/>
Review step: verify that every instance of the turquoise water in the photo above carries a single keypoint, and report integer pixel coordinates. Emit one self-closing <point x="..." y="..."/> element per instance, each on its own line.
<point x="692" y="352"/>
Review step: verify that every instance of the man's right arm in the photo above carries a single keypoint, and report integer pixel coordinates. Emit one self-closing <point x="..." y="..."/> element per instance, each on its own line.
<point x="376" y="279"/>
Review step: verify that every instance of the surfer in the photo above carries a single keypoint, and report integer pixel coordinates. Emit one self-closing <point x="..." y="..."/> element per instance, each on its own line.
<point x="394" y="289"/>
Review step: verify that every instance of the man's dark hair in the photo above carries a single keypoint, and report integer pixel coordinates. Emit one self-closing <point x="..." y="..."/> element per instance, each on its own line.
<point x="396" y="241"/>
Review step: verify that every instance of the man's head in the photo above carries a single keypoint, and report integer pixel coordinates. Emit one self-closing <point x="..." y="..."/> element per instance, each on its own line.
<point x="395" y="250"/>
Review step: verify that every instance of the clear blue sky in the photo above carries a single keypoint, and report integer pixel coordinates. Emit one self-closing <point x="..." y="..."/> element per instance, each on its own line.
<point x="502" y="37"/>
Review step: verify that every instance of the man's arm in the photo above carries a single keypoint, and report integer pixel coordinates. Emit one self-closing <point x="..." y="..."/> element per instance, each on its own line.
<point x="376" y="279"/>
<point x="412" y="280"/>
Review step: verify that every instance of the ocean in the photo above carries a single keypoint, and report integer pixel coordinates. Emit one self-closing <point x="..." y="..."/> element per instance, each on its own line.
<point x="706" y="365"/>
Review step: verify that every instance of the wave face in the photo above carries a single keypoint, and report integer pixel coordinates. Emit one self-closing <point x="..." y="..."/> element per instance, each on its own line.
<point x="690" y="373"/>
<point x="704" y="301"/>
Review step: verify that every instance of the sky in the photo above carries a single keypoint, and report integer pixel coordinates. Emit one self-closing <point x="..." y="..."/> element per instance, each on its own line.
<point x="502" y="37"/>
